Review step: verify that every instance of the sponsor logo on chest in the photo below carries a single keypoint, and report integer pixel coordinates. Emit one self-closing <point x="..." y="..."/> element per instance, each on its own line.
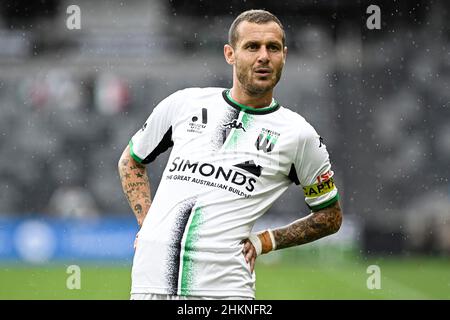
<point x="198" y="122"/>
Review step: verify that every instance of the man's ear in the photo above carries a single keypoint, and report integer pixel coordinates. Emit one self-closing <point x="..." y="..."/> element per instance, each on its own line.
<point x="228" y="52"/>
<point x="285" y="54"/>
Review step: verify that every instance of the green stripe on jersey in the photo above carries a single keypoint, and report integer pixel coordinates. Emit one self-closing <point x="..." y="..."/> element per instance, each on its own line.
<point x="187" y="271"/>
<point x="235" y="134"/>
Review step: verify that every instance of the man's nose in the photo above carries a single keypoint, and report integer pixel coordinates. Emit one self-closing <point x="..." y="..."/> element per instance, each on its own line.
<point x="263" y="55"/>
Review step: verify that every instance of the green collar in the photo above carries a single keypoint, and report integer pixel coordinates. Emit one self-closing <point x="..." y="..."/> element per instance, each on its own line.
<point x="274" y="106"/>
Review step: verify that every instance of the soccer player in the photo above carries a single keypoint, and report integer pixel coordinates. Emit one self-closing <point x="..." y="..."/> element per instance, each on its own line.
<point x="234" y="152"/>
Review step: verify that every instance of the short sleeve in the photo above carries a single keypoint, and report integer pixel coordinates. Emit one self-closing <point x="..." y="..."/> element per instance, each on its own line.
<point x="312" y="170"/>
<point x="155" y="136"/>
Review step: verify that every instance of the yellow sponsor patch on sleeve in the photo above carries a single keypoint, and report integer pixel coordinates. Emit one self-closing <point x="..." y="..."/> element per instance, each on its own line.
<point x="319" y="189"/>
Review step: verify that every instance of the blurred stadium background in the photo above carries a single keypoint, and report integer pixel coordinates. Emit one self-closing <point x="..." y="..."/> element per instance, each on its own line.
<point x="71" y="99"/>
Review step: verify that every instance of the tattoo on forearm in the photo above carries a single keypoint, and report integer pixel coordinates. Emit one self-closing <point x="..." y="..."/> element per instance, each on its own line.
<point x="136" y="187"/>
<point x="136" y="184"/>
<point x="315" y="226"/>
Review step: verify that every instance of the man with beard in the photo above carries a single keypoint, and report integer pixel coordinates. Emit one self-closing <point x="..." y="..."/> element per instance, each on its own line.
<point x="235" y="151"/>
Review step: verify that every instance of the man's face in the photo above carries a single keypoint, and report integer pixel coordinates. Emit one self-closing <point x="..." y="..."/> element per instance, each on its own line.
<point x="258" y="56"/>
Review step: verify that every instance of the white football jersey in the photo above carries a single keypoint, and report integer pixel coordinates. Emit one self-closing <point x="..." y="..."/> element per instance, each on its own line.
<point x="228" y="164"/>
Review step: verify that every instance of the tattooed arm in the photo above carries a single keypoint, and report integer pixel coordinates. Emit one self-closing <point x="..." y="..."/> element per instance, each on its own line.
<point x="310" y="228"/>
<point x="135" y="185"/>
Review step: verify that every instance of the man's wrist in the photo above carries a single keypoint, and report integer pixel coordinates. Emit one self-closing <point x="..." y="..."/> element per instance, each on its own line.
<point x="263" y="242"/>
<point x="256" y="242"/>
<point x="267" y="241"/>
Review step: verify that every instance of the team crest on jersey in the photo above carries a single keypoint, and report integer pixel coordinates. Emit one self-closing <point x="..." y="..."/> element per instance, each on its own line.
<point x="266" y="140"/>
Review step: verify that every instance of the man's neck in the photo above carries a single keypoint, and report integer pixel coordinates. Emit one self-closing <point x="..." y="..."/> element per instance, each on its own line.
<point x="246" y="99"/>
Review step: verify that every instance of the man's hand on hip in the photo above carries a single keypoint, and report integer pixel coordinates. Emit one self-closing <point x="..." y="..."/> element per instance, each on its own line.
<point x="250" y="254"/>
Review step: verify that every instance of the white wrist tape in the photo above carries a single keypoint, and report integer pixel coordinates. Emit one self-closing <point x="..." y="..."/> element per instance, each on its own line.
<point x="254" y="239"/>
<point x="272" y="238"/>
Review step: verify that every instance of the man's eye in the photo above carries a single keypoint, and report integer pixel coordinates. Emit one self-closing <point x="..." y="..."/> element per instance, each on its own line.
<point x="274" y="48"/>
<point x="252" y="47"/>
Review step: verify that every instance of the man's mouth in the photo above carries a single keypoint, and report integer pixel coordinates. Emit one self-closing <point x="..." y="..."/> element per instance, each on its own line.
<point x="263" y="72"/>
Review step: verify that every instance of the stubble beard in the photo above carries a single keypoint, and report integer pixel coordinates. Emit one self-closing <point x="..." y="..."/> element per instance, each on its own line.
<point x="252" y="88"/>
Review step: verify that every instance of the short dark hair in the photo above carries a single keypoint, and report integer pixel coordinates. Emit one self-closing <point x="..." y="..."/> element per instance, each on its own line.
<point x="253" y="16"/>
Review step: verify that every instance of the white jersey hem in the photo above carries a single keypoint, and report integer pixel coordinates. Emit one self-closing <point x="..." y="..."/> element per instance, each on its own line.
<point x="208" y="292"/>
